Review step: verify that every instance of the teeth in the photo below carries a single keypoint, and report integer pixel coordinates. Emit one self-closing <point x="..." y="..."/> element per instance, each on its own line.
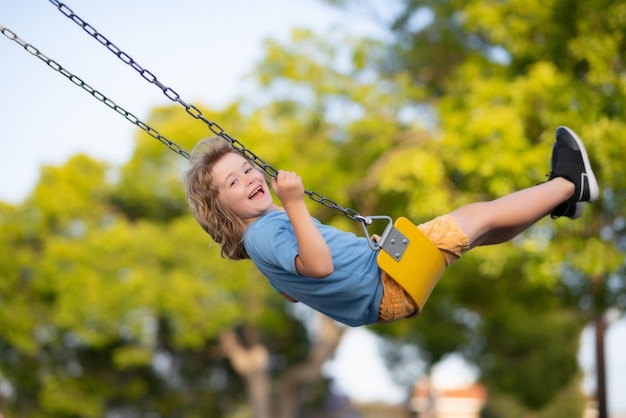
<point x="254" y="193"/>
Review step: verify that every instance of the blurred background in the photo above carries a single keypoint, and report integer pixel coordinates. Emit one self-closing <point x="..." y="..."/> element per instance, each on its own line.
<point x="114" y="303"/>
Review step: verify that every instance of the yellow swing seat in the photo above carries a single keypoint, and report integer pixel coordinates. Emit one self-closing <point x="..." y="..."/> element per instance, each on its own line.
<point x="411" y="259"/>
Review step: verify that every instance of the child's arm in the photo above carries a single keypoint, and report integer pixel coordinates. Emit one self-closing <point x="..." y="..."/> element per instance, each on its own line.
<point x="314" y="258"/>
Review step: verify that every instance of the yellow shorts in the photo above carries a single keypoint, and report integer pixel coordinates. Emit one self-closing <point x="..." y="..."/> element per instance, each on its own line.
<point x="448" y="237"/>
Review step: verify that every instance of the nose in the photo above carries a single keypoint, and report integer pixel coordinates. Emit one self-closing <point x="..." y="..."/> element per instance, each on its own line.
<point x="250" y="178"/>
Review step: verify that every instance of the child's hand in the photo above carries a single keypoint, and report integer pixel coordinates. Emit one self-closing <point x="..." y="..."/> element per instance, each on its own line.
<point x="288" y="186"/>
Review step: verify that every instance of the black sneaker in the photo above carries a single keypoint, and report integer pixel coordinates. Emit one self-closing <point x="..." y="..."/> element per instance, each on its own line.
<point x="570" y="161"/>
<point x="573" y="210"/>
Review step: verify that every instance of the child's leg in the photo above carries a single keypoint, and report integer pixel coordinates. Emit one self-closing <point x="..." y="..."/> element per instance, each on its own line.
<point x="572" y="180"/>
<point x="499" y="220"/>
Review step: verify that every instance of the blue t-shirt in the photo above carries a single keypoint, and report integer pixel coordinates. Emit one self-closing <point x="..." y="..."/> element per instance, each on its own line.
<point x="351" y="294"/>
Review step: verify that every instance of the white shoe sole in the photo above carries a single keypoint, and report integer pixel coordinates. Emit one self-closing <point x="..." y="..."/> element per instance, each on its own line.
<point x="590" y="176"/>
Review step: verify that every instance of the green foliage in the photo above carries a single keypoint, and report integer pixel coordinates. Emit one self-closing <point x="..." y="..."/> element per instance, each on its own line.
<point x="567" y="403"/>
<point x="110" y="308"/>
<point x="507" y="74"/>
<point x="114" y="299"/>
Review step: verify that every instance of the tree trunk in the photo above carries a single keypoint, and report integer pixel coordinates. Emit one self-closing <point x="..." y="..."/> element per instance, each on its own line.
<point x="301" y="375"/>
<point x="253" y="365"/>
<point x="600" y="327"/>
<point x="599" y="294"/>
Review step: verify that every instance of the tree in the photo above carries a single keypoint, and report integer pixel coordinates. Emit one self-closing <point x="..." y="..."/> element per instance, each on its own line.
<point x="133" y="313"/>
<point x="510" y="73"/>
<point x="126" y="321"/>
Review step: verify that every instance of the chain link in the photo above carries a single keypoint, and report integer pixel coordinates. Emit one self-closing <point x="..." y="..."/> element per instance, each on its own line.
<point x="170" y="94"/>
<point x="95" y="93"/>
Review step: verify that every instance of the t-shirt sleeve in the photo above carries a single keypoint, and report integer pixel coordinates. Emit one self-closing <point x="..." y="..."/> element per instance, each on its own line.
<point x="272" y="245"/>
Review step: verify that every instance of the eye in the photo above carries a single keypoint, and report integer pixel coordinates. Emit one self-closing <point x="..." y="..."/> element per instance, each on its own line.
<point x="233" y="182"/>
<point x="248" y="170"/>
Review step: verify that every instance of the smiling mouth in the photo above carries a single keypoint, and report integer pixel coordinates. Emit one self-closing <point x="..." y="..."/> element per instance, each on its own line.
<point x="255" y="192"/>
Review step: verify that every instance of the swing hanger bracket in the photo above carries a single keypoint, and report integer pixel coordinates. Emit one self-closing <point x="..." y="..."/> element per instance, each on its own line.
<point x="392" y="241"/>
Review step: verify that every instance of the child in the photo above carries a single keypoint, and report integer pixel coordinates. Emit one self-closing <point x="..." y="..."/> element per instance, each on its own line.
<point x="336" y="272"/>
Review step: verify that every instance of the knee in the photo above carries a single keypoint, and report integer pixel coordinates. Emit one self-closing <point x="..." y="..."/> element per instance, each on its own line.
<point x="470" y="213"/>
<point x="474" y="220"/>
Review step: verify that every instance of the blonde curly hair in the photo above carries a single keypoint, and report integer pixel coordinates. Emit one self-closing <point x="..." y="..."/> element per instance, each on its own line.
<point x="220" y="222"/>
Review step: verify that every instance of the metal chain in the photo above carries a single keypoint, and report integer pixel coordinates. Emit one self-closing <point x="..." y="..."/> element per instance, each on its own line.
<point x="95" y="93"/>
<point x="175" y="97"/>
<point x="194" y="111"/>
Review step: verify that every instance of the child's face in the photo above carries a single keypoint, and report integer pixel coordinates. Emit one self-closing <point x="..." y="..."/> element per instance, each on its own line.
<point x="241" y="187"/>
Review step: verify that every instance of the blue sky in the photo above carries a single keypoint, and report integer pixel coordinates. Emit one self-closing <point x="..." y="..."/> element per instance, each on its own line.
<point x="203" y="50"/>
